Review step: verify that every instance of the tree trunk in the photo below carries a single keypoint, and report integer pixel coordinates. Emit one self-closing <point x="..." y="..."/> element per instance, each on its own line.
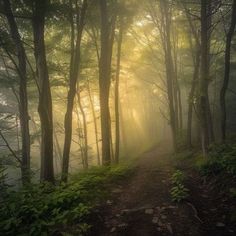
<point x="166" y="21"/>
<point x="204" y="78"/>
<point x="58" y="148"/>
<point x="74" y="73"/>
<point x="105" y="80"/>
<point x="224" y="88"/>
<point x="191" y="99"/>
<point x="23" y="97"/>
<point x="85" y="136"/>
<point x="95" y="124"/>
<point x="45" y="99"/>
<point x="80" y="135"/>
<point x="117" y="95"/>
<point x="195" y="51"/>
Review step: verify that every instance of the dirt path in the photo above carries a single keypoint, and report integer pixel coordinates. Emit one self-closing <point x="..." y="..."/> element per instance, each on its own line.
<point x="142" y="205"/>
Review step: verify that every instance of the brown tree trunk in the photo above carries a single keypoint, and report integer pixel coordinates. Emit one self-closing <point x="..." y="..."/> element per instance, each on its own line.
<point x="224" y="88"/>
<point x="166" y="21"/>
<point x="23" y="98"/>
<point x="58" y="148"/>
<point x="85" y="136"/>
<point x="204" y="78"/>
<point x="191" y="99"/>
<point x="117" y="95"/>
<point x="107" y="33"/>
<point x="74" y="73"/>
<point x="95" y="124"/>
<point x="45" y="99"/>
<point x="195" y="51"/>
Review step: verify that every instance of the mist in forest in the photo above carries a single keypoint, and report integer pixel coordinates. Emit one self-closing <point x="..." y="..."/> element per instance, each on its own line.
<point x="117" y="117"/>
<point x="89" y="83"/>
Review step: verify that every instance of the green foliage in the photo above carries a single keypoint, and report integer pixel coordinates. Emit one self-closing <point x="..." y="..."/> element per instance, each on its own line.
<point x="178" y="177"/>
<point x="45" y="209"/>
<point x="178" y="192"/>
<point x="221" y="160"/>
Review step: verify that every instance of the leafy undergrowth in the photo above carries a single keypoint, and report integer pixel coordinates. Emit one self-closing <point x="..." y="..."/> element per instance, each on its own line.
<point x="216" y="174"/>
<point x="219" y="169"/>
<point x="221" y="160"/>
<point x="58" y="210"/>
<point x="178" y="192"/>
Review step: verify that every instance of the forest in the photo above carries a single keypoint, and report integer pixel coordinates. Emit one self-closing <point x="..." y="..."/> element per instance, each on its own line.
<point x="117" y="117"/>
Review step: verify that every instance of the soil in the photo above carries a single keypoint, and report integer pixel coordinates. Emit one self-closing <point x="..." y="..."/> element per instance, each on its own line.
<point x="142" y="205"/>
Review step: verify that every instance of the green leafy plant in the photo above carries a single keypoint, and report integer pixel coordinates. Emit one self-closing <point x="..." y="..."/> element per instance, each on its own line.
<point x="178" y="177"/>
<point x="221" y="160"/>
<point x="65" y="209"/>
<point x="178" y="192"/>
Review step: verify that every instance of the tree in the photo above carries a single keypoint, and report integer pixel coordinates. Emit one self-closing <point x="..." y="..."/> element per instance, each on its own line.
<point x="166" y="34"/>
<point x="76" y="35"/>
<point x="117" y="96"/>
<point x="107" y="38"/>
<point x="224" y="88"/>
<point x="195" y="53"/>
<point x="23" y="97"/>
<point x="94" y="122"/>
<point x="45" y="99"/>
<point x="207" y="133"/>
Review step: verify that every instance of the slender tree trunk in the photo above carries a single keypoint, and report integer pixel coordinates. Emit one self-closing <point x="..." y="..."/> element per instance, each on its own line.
<point x="45" y="99"/>
<point x="204" y="78"/>
<point x="166" y="21"/>
<point x="23" y="97"/>
<point x="117" y="94"/>
<point x="195" y="51"/>
<point x="95" y="124"/>
<point x="180" y="109"/>
<point x="59" y="151"/>
<point x="105" y="80"/>
<point x="80" y="135"/>
<point x="74" y="73"/>
<point x="111" y="142"/>
<point x="224" y="88"/>
<point x="191" y="99"/>
<point x="84" y="129"/>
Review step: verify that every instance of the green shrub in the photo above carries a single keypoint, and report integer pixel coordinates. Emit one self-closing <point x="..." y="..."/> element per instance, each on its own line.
<point x="45" y="209"/>
<point x="178" y="177"/>
<point x="178" y="192"/>
<point x="221" y="159"/>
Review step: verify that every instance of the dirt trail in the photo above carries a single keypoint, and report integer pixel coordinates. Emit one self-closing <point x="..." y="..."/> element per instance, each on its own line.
<point x="142" y="206"/>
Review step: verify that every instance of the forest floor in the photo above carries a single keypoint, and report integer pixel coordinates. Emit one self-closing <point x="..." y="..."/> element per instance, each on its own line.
<point x="141" y="205"/>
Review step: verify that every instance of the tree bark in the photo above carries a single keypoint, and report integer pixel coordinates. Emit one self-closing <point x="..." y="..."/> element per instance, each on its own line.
<point x="74" y="73"/>
<point x="95" y="124"/>
<point x="166" y="21"/>
<point x="117" y="94"/>
<point x="45" y="99"/>
<point x="191" y="99"/>
<point x="107" y="31"/>
<point x="204" y="78"/>
<point x="224" y="88"/>
<point x="23" y="97"/>
<point x="85" y="136"/>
